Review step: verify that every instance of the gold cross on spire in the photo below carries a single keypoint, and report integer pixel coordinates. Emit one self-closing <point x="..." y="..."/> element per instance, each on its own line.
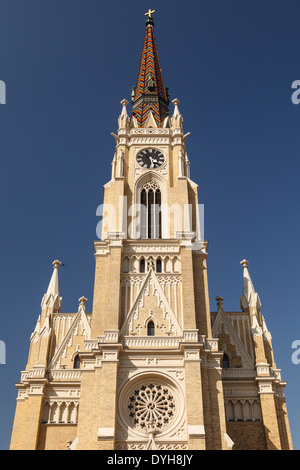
<point x="149" y="12"/>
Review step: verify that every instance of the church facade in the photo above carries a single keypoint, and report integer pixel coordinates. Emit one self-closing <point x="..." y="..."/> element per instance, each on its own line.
<point x="152" y="367"/>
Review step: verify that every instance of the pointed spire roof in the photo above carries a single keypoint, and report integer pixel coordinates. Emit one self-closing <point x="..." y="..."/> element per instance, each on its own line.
<point x="150" y="93"/>
<point x="51" y="299"/>
<point x="249" y="298"/>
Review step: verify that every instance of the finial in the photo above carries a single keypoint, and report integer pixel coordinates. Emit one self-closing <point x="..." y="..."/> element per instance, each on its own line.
<point x="82" y="301"/>
<point x="244" y="263"/>
<point x="150" y="18"/>
<point x="124" y="102"/>
<point x="132" y="94"/>
<point x="219" y="301"/>
<point x="176" y="110"/>
<point x="149" y="13"/>
<point x="56" y="264"/>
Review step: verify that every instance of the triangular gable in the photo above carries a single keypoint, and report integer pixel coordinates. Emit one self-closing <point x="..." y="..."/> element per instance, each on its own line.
<point x="220" y="319"/>
<point x="150" y="120"/>
<point x="80" y="316"/>
<point x="151" y="282"/>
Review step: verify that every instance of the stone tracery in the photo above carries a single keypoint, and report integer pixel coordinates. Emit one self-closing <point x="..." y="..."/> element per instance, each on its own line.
<point x="152" y="403"/>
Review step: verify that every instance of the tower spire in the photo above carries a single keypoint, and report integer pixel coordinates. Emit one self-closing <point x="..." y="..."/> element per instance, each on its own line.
<point x="150" y="95"/>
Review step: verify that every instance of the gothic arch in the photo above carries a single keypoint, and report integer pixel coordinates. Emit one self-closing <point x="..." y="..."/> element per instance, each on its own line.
<point x="238" y="409"/>
<point x="156" y="183"/>
<point x="150" y="328"/>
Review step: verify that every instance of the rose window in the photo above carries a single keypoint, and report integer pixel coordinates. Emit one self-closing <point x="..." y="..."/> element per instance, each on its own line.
<point x="153" y="404"/>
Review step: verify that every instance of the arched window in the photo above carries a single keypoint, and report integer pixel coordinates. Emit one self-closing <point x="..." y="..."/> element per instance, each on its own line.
<point x="225" y="362"/>
<point x="142" y="266"/>
<point x="77" y="362"/>
<point x="158" y="266"/>
<point x="150" y="329"/>
<point x="151" y="223"/>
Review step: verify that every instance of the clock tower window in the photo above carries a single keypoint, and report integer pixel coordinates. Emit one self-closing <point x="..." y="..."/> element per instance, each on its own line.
<point x="151" y="220"/>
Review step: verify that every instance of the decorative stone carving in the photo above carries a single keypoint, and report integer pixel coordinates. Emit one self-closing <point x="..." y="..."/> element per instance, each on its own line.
<point x="60" y="411"/>
<point x="151" y="407"/>
<point x="192" y="355"/>
<point x="151" y="403"/>
<point x="263" y="369"/>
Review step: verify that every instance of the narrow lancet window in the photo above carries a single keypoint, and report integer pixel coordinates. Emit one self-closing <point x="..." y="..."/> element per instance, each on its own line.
<point x="142" y="266"/>
<point x="77" y="362"/>
<point x="158" y="266"/>
<point x="151" y="220"/>
<point x="225" y="362"/>
<point x="150" y="329"/>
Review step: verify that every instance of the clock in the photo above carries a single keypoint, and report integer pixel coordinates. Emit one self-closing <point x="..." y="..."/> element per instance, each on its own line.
<point x="150" y="158"/>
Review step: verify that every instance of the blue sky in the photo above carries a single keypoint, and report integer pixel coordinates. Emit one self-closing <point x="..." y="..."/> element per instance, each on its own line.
<point x="67" y="64"/>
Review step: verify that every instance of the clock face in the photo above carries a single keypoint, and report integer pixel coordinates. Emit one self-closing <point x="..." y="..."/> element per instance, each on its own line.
<point x="150" y="158"/>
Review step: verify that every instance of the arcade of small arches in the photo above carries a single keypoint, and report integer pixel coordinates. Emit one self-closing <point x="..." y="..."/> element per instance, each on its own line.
<point x="238" y="409"/>
<point x="60" y="412"/>
<point x="160" y="264"/>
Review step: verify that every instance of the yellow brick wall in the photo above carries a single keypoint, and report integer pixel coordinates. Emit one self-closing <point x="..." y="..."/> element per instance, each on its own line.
<point x="89" y="410"/>
<point x="55" y="437"/>
<point x="247" y="435"/>
<point x="269" y="415"/>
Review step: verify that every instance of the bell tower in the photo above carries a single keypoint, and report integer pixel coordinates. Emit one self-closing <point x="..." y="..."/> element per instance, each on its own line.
<point x="151" y="367"/>
<point x="151" y="313"/>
